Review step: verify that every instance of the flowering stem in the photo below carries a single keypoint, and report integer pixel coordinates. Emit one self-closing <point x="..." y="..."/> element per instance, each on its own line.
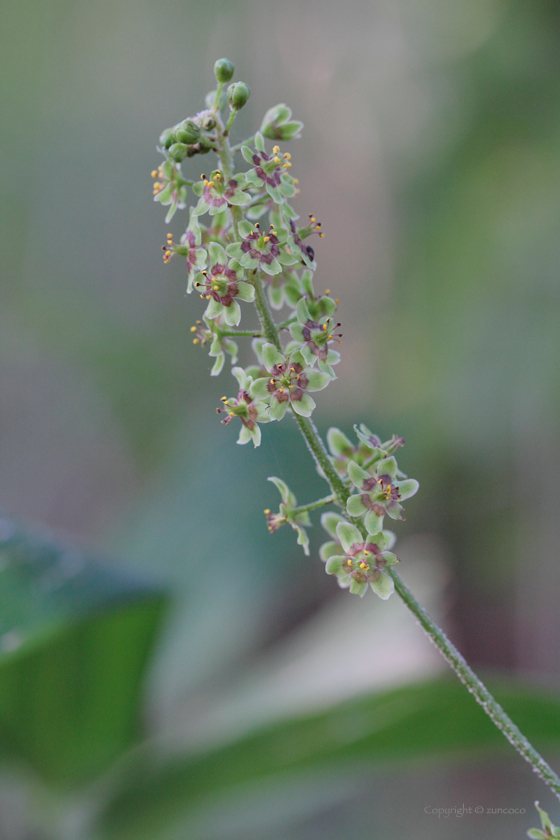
<point x="340" y="495"/>
<point x="327" y="500"/>
<point x="229" y="123"/>
<point x="476" y="687"/>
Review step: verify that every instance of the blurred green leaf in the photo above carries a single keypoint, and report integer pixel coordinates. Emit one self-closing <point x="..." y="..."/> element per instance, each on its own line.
<point x="75" y="636"/>
<point x="429" y="720"/>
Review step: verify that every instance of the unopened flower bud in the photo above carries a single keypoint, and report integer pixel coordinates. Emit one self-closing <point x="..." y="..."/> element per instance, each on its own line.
<point x="209" y="123"/>
<point x="178" y="152"/>
<point x="167" y="137"/>
<point x="223" y="70"/>
<point x="188" y="132"/>
<point x="237" y="94"/>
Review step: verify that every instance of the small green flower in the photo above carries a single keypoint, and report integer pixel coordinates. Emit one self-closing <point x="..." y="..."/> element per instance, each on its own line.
<point x="381" y="493"/>
<point x="222" y="285"/>
<point x="286" y="514"/>
<point x="189" y="248"/>
<point x="170" y="188"/>
<point x="259" y="249"/>
<point x="362" y="561"/>
<point x="220" y="343"/>
<point x="288" y="383"/>
<point x="549" y="830"/>
<point x="314" y="337"/>
<point x="249" y="411"/>
<point x="270" y="172"/>
<point x="215" y="195"/>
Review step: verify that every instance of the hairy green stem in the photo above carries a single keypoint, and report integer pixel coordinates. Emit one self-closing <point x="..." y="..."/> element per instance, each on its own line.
<point x="340" y="494"/>
<point x="327" y="500"/>
<point x="285" y="324"/>
<point x="246" y="333"/>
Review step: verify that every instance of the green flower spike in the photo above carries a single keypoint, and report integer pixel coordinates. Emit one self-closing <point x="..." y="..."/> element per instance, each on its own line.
<point x="249" y="411"/>
<point x="298" y="520"/>
<point x="221" y="285"/>
<point x="288" y="383"/>
<point x="381" y="493"/>
<point x="549" y="831"/>
<point x="169" y="188"/>
<point x="362" y="562"/>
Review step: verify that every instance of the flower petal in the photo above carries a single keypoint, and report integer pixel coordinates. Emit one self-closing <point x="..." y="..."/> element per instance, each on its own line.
<point x="388" y="466"/>
<point x="232" y="314"/>
<point x="408" y="488"/>
<point x="357" y="474"/>
<point x="287" y="496"/>
<point x="271" y="268"/>
<point x="246" y="292"/>
<point x="259" y="389"/>
<point x="317" y="381"/>
<point x="244" y="434"/>
<point x="373" y="521"/>
<point x="329" y="521"/>
<point x="335" y="565"/>
<point x="348" y="535"/>
<point x="271" y="356"/>
<point x="384" y="586"/>
<point x="358" y="588"/>
<point x="277" y="408"/>
<point x="355" y="506"/>
<point x="304" y="406"/>
<point x="218" y="364"/>
<point x="217" y="254"/>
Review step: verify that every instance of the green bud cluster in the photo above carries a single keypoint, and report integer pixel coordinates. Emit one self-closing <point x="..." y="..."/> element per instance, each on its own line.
<point x="245" y="244"/>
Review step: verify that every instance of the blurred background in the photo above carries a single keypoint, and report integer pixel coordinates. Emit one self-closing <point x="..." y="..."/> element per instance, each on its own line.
<point x="431" y="156"/>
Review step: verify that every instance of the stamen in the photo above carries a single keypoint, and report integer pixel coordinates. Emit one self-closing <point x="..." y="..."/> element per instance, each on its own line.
<point x="193" y="329"/>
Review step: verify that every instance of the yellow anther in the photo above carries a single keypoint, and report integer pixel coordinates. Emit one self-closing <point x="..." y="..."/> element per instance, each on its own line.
<point x="208" y="297"/>
<point x="287" y="249"/>
<point x="202" y="296"/>
<point x="223" y="399"/>
<point x="217" y="176"/>
<point x="215" y="288"/>
<point x="232" y="414"/>
<point x="275" y="150"/>
<point x="324" y="327"/>
<point x="203" y="176"/>
<point x="276" y="159"/>
<point x="366" y="553"/>
<point x="349" y="562"/>
<point x="154" y="173"/>
<point x="271" y="381"/>
<point x="267" y="511"/>
<point x="193" y="329"/>
<point x="286" y="165"/>
<point x="311" y="218"/>
<point x="266" y="239"/>
<point x="321" y="236"/>
<point x="330" y="336"/>
<point x="296" y="181"/>
<point x="282" y="390"/>
<point x="210" y="183"/>
<point x="327" y="291"/>
<point x="157" y="185"/>
<point x="336" y="300"/>
<point x="196" y="341"/>
<point x="287" y="155"/>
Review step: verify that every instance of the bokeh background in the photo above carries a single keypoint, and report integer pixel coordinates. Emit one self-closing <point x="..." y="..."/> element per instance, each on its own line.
<point x="431" y="156"/>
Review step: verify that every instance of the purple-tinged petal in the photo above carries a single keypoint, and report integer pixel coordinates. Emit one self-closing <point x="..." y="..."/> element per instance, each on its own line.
<point x="355" y="505"/>
<point x="271" y="356"/>
<point x="348" y="535"/>
<point x="382" y="585"/>
<point x="373" y="521"/>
